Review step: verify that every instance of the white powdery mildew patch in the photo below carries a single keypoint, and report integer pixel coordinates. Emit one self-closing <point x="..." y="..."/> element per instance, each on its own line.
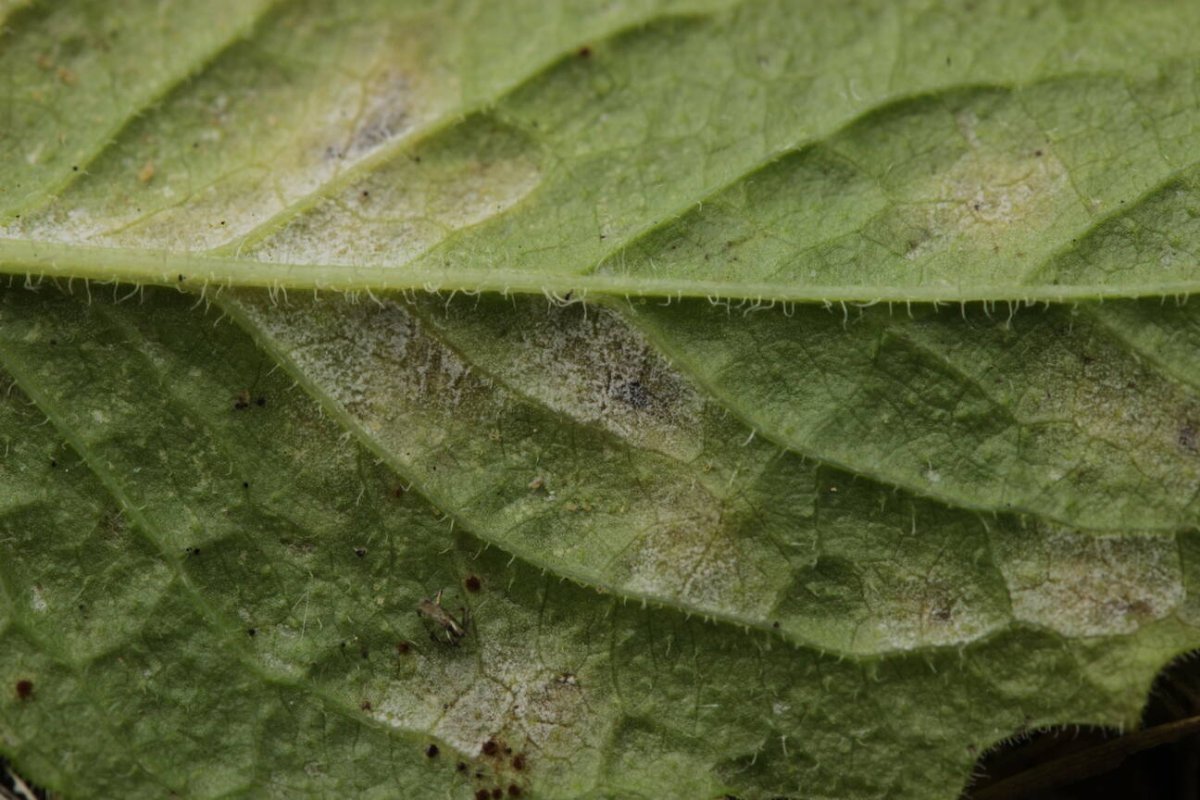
<point x="251" y="152"/>
<point x="366" y="356"/>
<point x="924" y="611"/>
<point x="1084" y="584"/>
<point x="396" y="214"/>
<point x="589" y="365"/>
<point x="986" y="195"/>
<point x="686" y="555"/>
<point x="503" y="692"/>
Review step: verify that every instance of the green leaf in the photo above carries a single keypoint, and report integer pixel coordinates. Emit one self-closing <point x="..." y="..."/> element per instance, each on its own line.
<point x="223" y="585"/>
<point x="697" y="548"/>
<point x="859" y="151"/>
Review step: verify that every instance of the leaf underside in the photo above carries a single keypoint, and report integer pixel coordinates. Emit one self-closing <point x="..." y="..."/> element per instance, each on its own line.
<point x="706" y="546"/>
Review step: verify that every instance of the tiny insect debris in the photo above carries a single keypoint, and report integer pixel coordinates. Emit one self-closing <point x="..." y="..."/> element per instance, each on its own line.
<point x="451" y="630"/>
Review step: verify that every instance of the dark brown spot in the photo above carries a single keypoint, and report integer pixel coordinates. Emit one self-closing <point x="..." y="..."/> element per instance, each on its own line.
<point x="461" y="767"/>
<point x="584" y="52"/>
<point x="53" y="463"/>
<point x="261" y="401"/>
<point x="432" y="751"/>
<point x="473" y="583"/>
<point x="245" y="484"/>
<point x="508" y="751"/>
<point x="497" y="793"/>
<point x="1038" y="153"/>
<point x="24" y="689"/>
<point x="1188" y="438"/>
<point x="399" y="491"/>
<point x="403" y="648"/>
<point x="360" y="551"/>
<point x="481" y="794"/>
<point x="251" y="632"/>
<point x="366" y="705"/>
<point x="514" y="790"/>
<point x="775" y="625"/>
<point x="490" y="747"/>
<point x="518" y="762"/>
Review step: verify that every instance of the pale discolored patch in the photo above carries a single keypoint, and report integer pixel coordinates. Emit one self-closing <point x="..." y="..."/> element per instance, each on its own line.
<point x="583" y="362"/>
<point x="1085" y="584"/>
<point x="266" y="129"/>
<point x="413" y="203"/>
<point x="989" y="198"/>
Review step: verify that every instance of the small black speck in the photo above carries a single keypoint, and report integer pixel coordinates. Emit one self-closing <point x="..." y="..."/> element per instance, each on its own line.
<point x="461" y="767"/>
<point x="74" y="168"/>
<point x="432" y="751"/>
<point x="251" y="632"/>
<point x="24" y="689"/>
<point x="182" y="279"/>
<point x="53" y="463"/>
<point x="775" y="625"/>
<point x="360" y="551"/>
<point x="585" y="52"/>
<point x="1038" y="153"/>
<point x="245" y="484"/>
<point x="261" y="401"/>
